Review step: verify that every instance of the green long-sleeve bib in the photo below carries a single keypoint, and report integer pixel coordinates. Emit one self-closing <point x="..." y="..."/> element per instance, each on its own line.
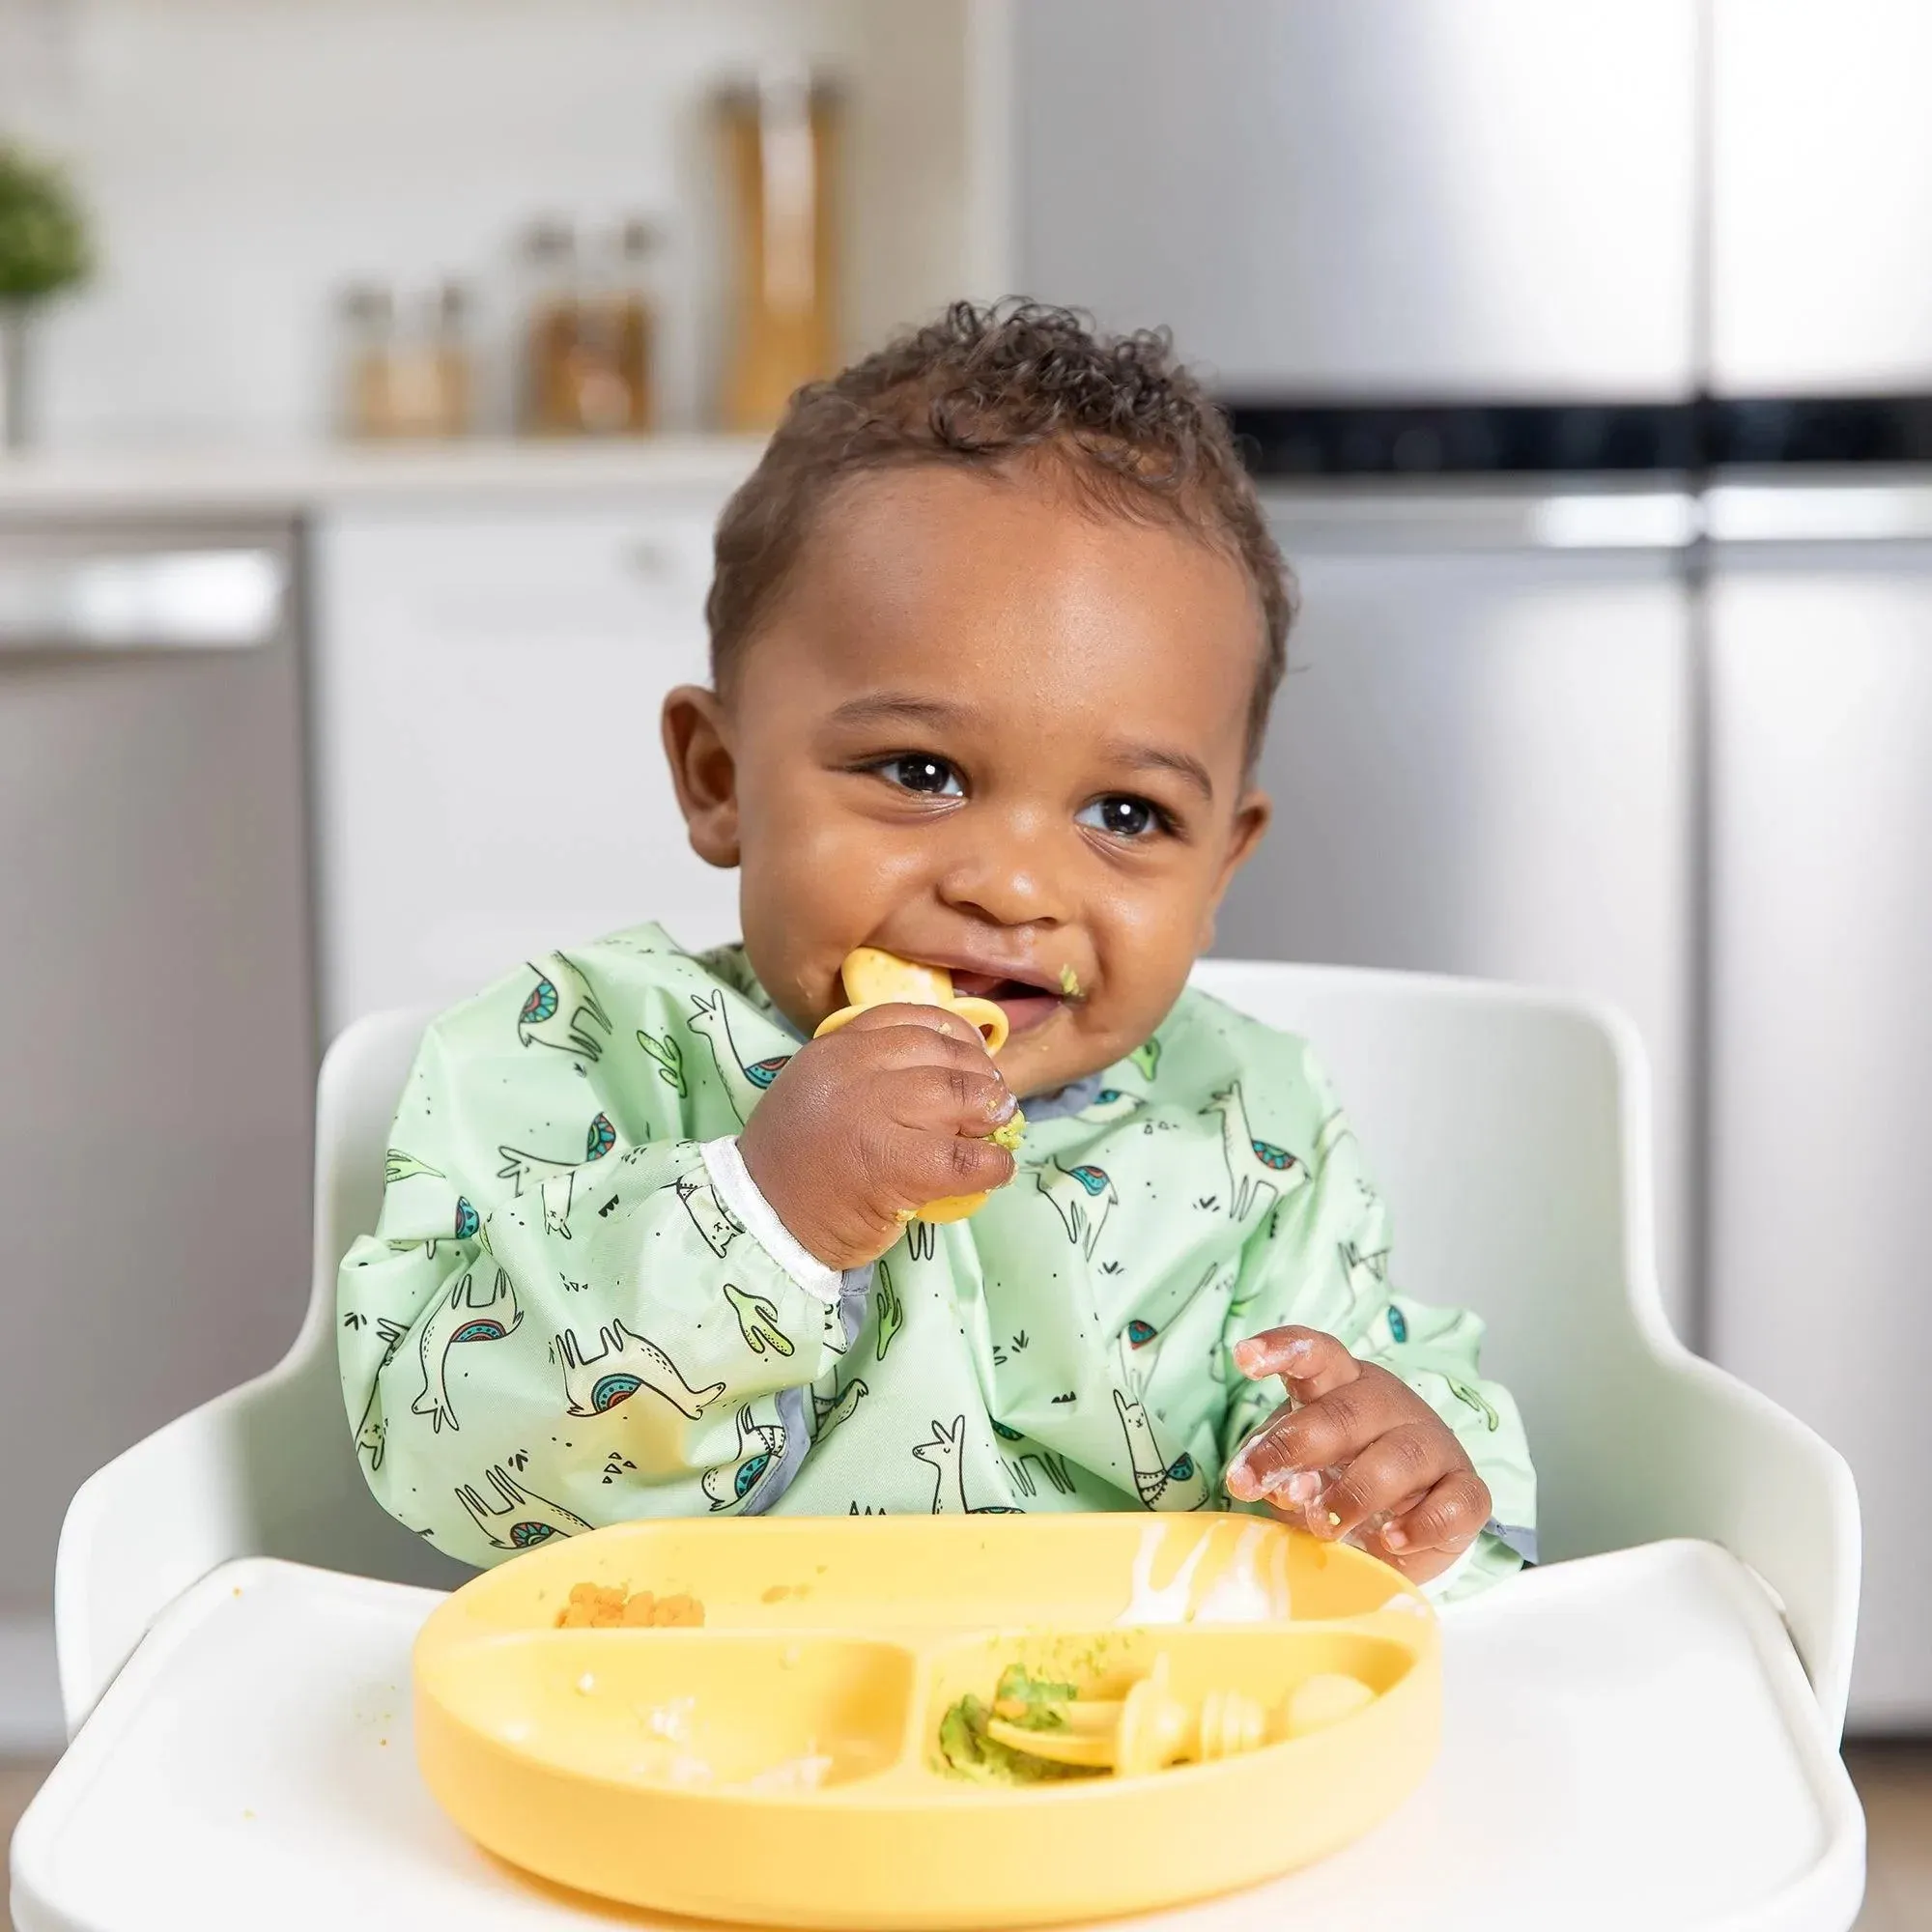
<point x="558" y="1322"/>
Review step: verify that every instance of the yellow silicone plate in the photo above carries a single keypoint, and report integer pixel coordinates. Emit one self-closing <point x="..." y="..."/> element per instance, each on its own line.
<point x="780" y="1766"/>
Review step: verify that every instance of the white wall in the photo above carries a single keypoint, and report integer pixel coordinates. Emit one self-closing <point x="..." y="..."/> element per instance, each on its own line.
<point x="245" y="157"/>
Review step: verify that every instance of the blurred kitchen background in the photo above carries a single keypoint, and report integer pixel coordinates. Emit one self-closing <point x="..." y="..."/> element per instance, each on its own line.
<point x="373" y="370"/>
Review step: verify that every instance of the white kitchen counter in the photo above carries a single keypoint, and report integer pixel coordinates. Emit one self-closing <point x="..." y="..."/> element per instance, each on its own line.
<point x="194" y="482"/>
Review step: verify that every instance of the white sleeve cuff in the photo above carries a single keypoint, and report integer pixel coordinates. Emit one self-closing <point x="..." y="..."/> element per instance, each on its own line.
<point x="739" y="1192"/>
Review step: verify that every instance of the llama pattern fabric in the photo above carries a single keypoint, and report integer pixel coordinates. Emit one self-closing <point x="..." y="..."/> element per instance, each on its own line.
<point x="561" y="1321"/>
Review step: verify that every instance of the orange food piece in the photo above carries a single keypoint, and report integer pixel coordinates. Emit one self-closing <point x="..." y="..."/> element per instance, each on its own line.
<point x="611" y="1606"/>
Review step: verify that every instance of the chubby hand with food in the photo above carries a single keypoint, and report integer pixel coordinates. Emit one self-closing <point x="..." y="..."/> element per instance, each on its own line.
<point x="1354" y="1451"/>
<point x="895" y="1110"/>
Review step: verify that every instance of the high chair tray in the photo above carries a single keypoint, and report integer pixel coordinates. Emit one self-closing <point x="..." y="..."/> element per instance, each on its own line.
<point x="1627" y="1740"/>
<point x="805" y="1717"/>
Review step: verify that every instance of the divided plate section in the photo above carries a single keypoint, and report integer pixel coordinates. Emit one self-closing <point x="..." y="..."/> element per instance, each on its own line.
<point x="698" y="1710"/>
<point x="903" y="1577"/>
<point x="1394" y="1657"/>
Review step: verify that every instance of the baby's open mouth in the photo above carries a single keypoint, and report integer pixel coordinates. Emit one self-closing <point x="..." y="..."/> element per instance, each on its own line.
<point x="1025" y="1003"/>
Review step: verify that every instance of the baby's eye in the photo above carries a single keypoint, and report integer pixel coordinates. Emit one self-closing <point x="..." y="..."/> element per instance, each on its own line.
<point x="1123" y="816"/>
<point x="917" y="771"/>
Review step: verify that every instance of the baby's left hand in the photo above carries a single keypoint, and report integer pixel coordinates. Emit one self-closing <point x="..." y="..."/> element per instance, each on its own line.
<point x="1356" y="1451"/>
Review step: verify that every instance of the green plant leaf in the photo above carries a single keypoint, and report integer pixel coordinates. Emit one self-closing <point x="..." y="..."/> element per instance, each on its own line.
<point x="44" y="246"/>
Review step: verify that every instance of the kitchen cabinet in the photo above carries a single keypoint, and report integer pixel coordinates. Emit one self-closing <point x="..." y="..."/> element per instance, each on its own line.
<point x="1821" y="1046"/>
<point x="489" y="771"/>
<point x="1481" y="763"/>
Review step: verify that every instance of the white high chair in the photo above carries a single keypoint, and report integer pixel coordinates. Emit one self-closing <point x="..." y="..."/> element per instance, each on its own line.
<point x="1642" y="1732"/>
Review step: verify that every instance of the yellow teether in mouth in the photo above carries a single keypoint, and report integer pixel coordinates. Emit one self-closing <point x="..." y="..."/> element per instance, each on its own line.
<point x="877" y="979"/>
<point x="874" y="978"/>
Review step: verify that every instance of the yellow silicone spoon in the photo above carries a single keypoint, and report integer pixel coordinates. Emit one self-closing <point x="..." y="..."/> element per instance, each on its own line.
<point x="874" y="978"/>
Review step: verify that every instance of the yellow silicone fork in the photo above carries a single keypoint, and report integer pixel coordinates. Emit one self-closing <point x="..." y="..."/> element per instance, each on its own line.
<point x="1151" y="1729"/>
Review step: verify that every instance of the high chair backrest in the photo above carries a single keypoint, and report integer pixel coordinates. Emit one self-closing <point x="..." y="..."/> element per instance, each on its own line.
<point x="1508" y="1131"/>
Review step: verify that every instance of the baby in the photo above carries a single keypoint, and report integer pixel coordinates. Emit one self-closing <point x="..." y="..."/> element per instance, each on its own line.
<point x="995" y="627"/>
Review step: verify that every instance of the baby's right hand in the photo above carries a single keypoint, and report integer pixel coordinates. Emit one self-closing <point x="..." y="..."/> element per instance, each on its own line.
<point x="864" y="1126"/>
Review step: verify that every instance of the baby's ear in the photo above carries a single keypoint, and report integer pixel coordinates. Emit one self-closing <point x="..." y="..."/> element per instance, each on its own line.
<point x="1251" y="820"/>
<point x="703" y="771"/>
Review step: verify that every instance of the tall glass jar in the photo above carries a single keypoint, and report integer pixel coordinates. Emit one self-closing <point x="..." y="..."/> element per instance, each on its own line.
<point x="780" y="138"/>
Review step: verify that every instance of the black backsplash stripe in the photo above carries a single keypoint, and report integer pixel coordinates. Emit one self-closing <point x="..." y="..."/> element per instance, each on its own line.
<point x="1283" y="439"/>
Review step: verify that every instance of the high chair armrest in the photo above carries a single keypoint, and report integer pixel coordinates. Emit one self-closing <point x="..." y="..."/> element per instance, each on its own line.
<point x="122" y="1562"/>
<point x="1712" y="1458"/>
<point x="266" y="1469"/>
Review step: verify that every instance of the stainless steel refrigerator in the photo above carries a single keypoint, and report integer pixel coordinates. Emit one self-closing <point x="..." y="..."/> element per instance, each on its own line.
<point x="1481" y="762"/>
<point x="1586" y="351"/>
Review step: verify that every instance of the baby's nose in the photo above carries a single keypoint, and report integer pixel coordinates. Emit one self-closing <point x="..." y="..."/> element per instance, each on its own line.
<point x="1007" y="881"/>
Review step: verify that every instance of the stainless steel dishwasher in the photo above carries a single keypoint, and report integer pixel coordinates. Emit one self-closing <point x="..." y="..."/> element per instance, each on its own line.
<point x="156" y="1024"/>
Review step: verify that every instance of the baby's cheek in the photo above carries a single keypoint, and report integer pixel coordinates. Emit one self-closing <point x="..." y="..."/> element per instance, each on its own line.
<point x="1144" y="963"/>
<point x="805" y="903"/>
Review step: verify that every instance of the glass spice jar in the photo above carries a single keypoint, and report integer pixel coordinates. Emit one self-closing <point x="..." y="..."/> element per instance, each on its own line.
<point x="553" y="332"/>
<point x="633" y="324"/>
<point x="368" y="330"/>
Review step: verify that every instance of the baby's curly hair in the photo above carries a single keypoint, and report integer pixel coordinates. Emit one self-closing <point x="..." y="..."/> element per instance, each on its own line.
<point x="1120" y="420"/>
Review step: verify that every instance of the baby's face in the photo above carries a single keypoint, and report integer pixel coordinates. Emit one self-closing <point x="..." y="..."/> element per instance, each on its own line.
<point x="986" y="729"/>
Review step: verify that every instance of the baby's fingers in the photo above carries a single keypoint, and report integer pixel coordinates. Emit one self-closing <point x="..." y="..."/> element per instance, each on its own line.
<point x="928" y="1019"/>
<point x="1319" y="1433"/>
<point x="938" y="1166"/>
<point x="1310" y="1362"/>
<point x="1450" y="1516"/>
<point x="949" y="1099"/>
<point x="1410" y="1461"/>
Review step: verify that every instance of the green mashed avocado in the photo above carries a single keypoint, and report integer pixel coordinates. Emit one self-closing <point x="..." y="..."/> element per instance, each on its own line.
<point x="968" y="1752"/>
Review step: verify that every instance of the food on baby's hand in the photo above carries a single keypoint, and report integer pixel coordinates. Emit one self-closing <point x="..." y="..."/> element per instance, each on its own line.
<point x="1037" y="1728"/>
<point x="611" y="1606"/>
<point x="1011" y="1134"/>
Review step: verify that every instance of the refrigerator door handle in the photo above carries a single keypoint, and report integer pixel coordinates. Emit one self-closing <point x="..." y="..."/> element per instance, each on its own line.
<point x="141" y="600"/>
<point x="1660" y="515"/>
<point x="1842" y="510"/>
